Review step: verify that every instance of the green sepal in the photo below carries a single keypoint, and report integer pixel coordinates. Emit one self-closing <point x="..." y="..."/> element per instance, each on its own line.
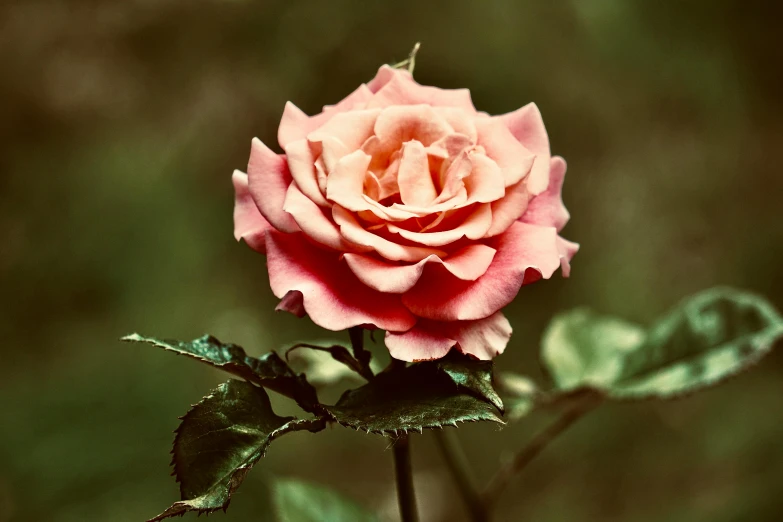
<point x="269" y="370"/>
<point x="472" y="375"/>
<point x="410" y="398"/>
<point x="219" y="441"/>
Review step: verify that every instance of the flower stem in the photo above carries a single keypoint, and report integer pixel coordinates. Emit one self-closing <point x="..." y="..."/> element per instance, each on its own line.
<point x="458" y="465"/>
<point x="406" y="496"/>
<point x="505" y="474"/>
<point x="363" y="356"/>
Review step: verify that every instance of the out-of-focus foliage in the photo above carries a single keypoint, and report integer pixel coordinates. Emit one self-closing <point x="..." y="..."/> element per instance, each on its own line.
<point x="122" y="122"/>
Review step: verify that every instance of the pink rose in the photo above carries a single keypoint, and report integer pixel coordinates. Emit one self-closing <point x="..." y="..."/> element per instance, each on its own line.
<point x="405" y="209"/>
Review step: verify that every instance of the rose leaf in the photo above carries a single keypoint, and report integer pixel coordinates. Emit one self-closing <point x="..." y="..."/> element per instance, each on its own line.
<point x="269" y="370"/>
<point x="410" y="398"/>
<point x="297" y="501"/>
<point x="219" y="441"/>
<point x="471" y="375"/>
<point x="704" y="340"/>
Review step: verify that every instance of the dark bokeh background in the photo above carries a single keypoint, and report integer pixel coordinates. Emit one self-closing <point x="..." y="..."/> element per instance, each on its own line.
<point x="121" y="122"/>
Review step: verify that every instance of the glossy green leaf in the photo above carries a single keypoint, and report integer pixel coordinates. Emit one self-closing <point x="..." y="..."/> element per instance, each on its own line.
<point x="407" y="399"/>
<point x="328" y="373"/>
<point x="705" y="339"/>
<point x="297" y="501"/>
<point x="472" y="375"/>
<point x="269" y="370"/>
<point x="219" y="441"/>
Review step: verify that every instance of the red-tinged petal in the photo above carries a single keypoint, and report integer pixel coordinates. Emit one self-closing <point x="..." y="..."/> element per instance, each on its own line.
<point x="567" y="251"/>
<point x="301" y="164"/>
<point x="475" y="226"/>
<point x="292" y="302"/>
<point x="484" y="339"/>
<point x="249" y="224"/>
<point x="268" y="180"/>
<point x="522" y="249"/>
<point x="508" y="209"/>
<point x="331" y="295"/>
<point x="527" y="126"/>
<point x="413" y="178"/>
<point x="513" y="158"/>
<point x="547" y="208"/>
<point x="467" y="264"/>
<point x="315" y="224"/>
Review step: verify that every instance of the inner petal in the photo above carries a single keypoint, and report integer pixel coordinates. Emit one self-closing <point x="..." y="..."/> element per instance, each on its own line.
<point x="414" y="179"/>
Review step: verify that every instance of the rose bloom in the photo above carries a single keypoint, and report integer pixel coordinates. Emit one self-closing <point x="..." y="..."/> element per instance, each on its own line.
<point x="405" y="209"/>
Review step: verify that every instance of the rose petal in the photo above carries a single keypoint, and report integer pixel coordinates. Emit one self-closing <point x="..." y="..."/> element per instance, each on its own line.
<point x="401" y="89"/>
<point x="523" y="248"/>
<point x="527" y="126"/>
<point x="547" y="208"/>
<point x="508" y="209"/>
<point x="428" y="340"/>
<point x="353" y="232"/>
<point x="384" y="75"/>
<point x="315" y="224"/>
<point x="475" y="226"/>
<point x="485" y="183"/>
<point x="249" y="224"/>
<point x="268" y="180"/>
<point x="511" y="156"/>
<point x="467" y="264"/>
<point x="567" y="251"/>
<point x="351" y="128"/>
<point x="301" y="164"/>
<point x="413" y="178"/>
<point x="460" y="120"/>
<point x="398" y="124"/>
<point x="345" y="184"/>
<point x="331" y="295"/>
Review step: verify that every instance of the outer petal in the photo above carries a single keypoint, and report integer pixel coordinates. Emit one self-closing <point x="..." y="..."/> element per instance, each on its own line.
<point x="508" y="209"/>
<point x="331" y="295"/>
<point x="301" y="164"/>
<point x="268" y="180"/>
<point x="483" y="339"/>
<point x="513" y="158"/>
<point x="567" y="251"/>
<point x="527" y="126"/>
<point x="524" y="250"/>
<point x="547" y="208"/>
<point x="249" y="224"/>
<point x="401" y="89"/>
<point x="467" y="264"/>
<point x="351" y="128"/>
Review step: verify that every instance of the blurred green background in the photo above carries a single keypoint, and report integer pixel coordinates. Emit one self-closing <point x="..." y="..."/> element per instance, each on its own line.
<point x="121" y="122"/>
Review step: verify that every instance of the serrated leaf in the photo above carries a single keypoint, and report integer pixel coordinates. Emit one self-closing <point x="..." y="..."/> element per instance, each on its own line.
<point x="297" y="501"/>
<point x="219" y="441"/>
<point x="269" y="370"/>
<point x="705" y="339"/>
<point x="520" y="392"/>
<point x="472" y="375"/>
<point x="410" y="399"/>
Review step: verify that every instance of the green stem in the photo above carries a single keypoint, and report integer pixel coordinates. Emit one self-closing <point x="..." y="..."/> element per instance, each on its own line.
<point x="505" y="474"/>
<point x="458" y="465"/>
<point x="403" y="472"/>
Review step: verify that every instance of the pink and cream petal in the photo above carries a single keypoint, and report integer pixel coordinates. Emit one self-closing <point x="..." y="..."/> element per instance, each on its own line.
<point x="301" y="164"/>
<point x="413" y="178"/>
<point x="485" y="183"/>
<point x="547" y="208"/>
<point x="249" y="224"/>
<point x="527" y="126"/>
<point x="268" y="181"/>
<point x="509" y="209"/>
<point x="475" y="226"/>
<point x="351" y="128"/>
<point x="460" y="120"/>
<point x="330" y="294"/>
<point x="345" y="184"/>
<point x="400" y="123"/>
<point x="511" y="156"/>
<point x="467" y="264"/>
<point x="483" y="339"/>
<point x="403" y="90"/>
<point x="355" y="233"/>
<point x="567" y="251"/>
<point x="523" y="249"/>
<point x="314" y="224"/>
